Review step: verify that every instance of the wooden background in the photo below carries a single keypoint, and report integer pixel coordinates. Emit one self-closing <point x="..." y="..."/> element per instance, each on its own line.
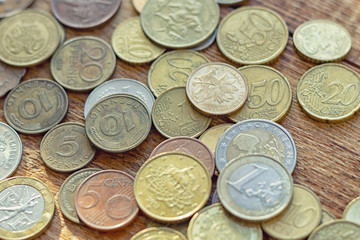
<point x="328" y="154"/>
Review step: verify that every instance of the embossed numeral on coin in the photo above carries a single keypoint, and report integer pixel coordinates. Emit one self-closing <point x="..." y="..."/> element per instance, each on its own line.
<point x="180" y="66"/>
<point x="36" y="106"/>
<point x="69" y="147"/>
<point x="91" y="197"/>
<point x="271" y="92"/>
<point x="238" y="184"/>
<point x="112" y="124"/>
<point x="187" y="114"/>
<point x="262" y="25"/>
<point x="297" y="216"/>
<point x="91" y="66"/>
<point x="342" y="95"/>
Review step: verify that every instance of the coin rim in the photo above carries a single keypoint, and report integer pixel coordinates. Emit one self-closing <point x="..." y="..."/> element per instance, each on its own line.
<point x="320" y="227"/>
<point x="15" y="11"/>
<point x="348" y="208"/>
<point x="165" y="229"/>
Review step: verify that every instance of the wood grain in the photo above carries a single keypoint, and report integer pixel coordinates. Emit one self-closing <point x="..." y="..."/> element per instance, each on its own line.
<point x="328" y="156"/>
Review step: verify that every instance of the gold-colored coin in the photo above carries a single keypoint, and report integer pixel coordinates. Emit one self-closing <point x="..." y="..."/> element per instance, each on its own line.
<point x="260" y="38"/>
<point x="131" y="45"/>
<point x="174" y="116"/>
<point x="329" y="92"/>
<point x="171" y="187"/>
<point x="299" y="220"/>
<point x="214" y="222"/>
<point x="28" y="38"/>
<point x="139" y="5"/>
<point x="211" y="136"/>
<point x="269" y="96"/>
<point x="326" y="216"/>
<point x="180" y="227"/>
<point x="160" y="233"/>
<point x="352" y="211"/>
<point x="173" y="69"/>
<point x="337" y="229"/>
<point x="322" y="40"/>
<point x="179" y="23"/>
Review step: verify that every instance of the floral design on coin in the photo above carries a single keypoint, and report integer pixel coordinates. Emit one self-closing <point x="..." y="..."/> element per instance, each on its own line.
<point x="9" y="77"/>
<point x="337" y="229"/>
<point x="11" y="7"/>
<point x="162" y="233"/>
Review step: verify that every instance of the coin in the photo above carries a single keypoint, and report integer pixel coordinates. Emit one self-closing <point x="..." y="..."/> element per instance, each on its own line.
<point x="67" y="192"/>
<point x="190" y="146"/>
<point x="118" y="123"/>
<point x="337" y="229"/>
<point x="322" y="40"/>
<point x="258" y="137"/>
<point x="180" y="227"/>
<point x="161" y="233"/>
<point x="62" y="34"/>
<point x="178" y="23"/>
<point x="207" y="43"/>
<point x="269" y="96"/>
<point x="28" y="38"/>
<point x="173" y="69"/>
<point x="255" y="188"/>
<point x="211" y="136"/>
<point x="83" y="63"/>
<point x="105" y="200"/>
<point x="139" y="5"/>
<point x="11" y="7"/>
<point x="174" y="116"/>
<point x="9" y="77"/>
<point x="83" y="13"/>
<point x="326" y="217"/>
<point x="260" y="38"/>
<point x="217" y="89"/>
<point x="230" y="2"/>
<point x="27" y="207"/>
<point x="120" y="85"/>
<point x="35" y="106"/>
<point x="213" y="222"/>
<point x="352" y="211"/>
<point x="329" y="92"/>
<point x="10" y="151"/>
<point x="215" y="198"/>
<point x="172" y="186"/>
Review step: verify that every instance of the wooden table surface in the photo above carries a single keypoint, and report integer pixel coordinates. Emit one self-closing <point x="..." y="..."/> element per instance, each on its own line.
<point x="328" y="157"/>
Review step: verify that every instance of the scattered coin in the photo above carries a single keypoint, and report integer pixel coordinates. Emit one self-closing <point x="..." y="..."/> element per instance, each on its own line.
<point x="9" y="77"/>
<point x="11" y="7"/>
<point x="139" y="5"/>
<point x="62" y="35"/>
<point x="159" y="234"/>
<point x="211" y="136"/>
<point x="326" y="217"/>
<point x="180" y="227"/>
<point x="207" y="43"/>
<point x="352" y="211"/>
<point x="337" y="229"/>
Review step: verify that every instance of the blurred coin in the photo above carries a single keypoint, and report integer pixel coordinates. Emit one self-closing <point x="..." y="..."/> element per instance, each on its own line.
<point x="352" y="211"/>
<point x="326" y="217"/>
<point x="180" y="227"/>
<point x="337" y="229"/>
<point x="207" y="43"/>
<point x="11" y="7"/>
<point x="139" y="5"/>
<point x="215" y="198"/>
<point x="9" y="77"/>
<point x="230" y="2"/>
<point x="160" y="233"/>
<point x="211" y="136"/>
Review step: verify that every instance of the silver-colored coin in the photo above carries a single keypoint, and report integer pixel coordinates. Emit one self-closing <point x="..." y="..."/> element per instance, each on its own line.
<point x="215" y="198"/>
<point x="207" y="43"/>
<point x="121" y="85"/>
<point x="258" y="137"/>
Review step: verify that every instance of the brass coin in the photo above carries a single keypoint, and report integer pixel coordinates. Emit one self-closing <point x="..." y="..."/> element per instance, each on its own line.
<point x="174" y="116"/>
<point x="160" y="233"/>
<point x="337" y="229"/>
<point x="326" y="216"/>
<point x="118" y="123"/>
<point x="180" y="227"/>
<point x="352" y="211"/>
<point x="211" y="136"/>
<point x="82" y="63"/>
<point x="260" y="38"/>
<point x="173" y="69"/>
<point x="329" y="92"/>
<point x="9" y="77"/>
<point x="66" y="148"/>
<point x="322" y="40"/>
<point x="269" y="96"/>
<point x="35" y="106"/>
<point x="139" y="5"/>
<point x="11" y="7"/>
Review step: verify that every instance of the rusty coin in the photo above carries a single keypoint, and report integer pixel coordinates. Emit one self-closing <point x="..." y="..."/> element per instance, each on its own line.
<point x="11" y="7"/>
<point x="9" y="77"/>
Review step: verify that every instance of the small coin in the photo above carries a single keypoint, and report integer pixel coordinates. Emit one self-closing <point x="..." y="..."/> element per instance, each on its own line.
<point x="27" y="207"/>
<point x="9" y="77"/>
<point x="260" y="38"/>
<point x="172" y="186"/>
<point x="255" y="188"/>
<point x="139" y="5"/>
<point x="211" y="136"/>
<point x="173" y="69"/>
<point x="67" y="192"/>
<point x="329" y="92"/>
<point x="352" y="211"/>
<point x="322" y="40"/>
<point x="217" y="89"/>
<point x="11" y="7"/>
<point x="326" y="216"/>
<point x="269" y="96"/>
<point x="207" y="43"/>
<point x="174" y="116"/>
<point x="35" y="106"/>
<point x="160" y="233"/>
<point x="215" y="198"/>
<point x="180" y="227"/>
<point x="337" y="229"/>
<point x="105" y="200"/>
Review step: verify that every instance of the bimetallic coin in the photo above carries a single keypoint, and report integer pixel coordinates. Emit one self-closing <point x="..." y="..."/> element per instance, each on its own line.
<point x="326" y="216"/>
<point x="11" y="7"/>
<point x="35" y="106"/>
<point x="139" y="5"/>
<point x="352" y="211"/>
<point x="160" y="233"/>
<point x="337" y="229"/>
<point x="27" y="207"/>
<point x="9" y="77"/>
<point x="207" y="43"/>
<point x="211" y="136"/>
<point x="180" y="227"/>
<point x="329" y="92"/>
<point x="255" y="188"/>
<point x="260" y="38"/>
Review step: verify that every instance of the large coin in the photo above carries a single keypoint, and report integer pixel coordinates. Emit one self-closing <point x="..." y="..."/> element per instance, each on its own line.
<point x="352" y="211"/>
<point x="211" y="136"/>
<point x="337" y="229"/>
<point x="160" y="233"/>
<point x="9" y="77"/>
<point x="11" y="7"/>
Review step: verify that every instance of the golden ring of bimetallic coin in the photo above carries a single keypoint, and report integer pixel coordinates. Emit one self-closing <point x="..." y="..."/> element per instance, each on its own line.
<point x="151" y="233"/>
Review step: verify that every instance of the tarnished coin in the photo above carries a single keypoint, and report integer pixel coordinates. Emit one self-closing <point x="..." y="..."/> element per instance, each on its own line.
<point x="322" y="40"/>
<point x="260" y="38"/>
<point x="173" y="70"/>
<point x="105" y="200"/>
<point x="174" y="116"/>
<point x="337" y="229"/>
<point x="329" y="92"/>
<point x="258" y="137"/>
<point x="83" y="63"/>
<point x="158" y="234"/>
<point x="66" y="148"/>
<point x="139" y="5"/>
<point x="118" y="123"/>
<point x="269" y="96"/>
<point x="35" y="106"/>
<point x="352" y="211"/>
<point x="27" y="207"/>
<point x="255" y="188"/>
<point x="9" y="77"/>
<point x="214" y="222"/>
<point x="211" y="136"/>
<point x="172" y="186"/>
<point x="326" y="216"/>
<point x="120" y="85"/>
<point x="217" y="89"/>
<point x="207" y="43"/>
<point x="179" y="23"/>
<point x="180" y="227"/>
<point x="68" y="190"/>
<point x="11" y="7"/>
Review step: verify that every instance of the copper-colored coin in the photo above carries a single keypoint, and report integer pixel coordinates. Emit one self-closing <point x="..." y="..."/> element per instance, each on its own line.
<point x="105" y="201"/>
<point x="11" y="7"/>
<point x="9" y="77"/>
<point x="188" y="145"/>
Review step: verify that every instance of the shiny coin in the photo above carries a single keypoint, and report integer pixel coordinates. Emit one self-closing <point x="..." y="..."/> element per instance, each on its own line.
<point x="329" y="92"/>
<point x="269" y="96"/>
<point x="326" y="217"/>
<point x="211" y="136"/>
<point x="337" y="229"/>
<point x="9" y="77"/>
<point x="11" y="7"/>
<point x="27" y="207"/>
<point x="171" y="187"/>
<point x="322" y="40"/>
<point x="35" y="106"/>
<point x="255" y="188"/>
<point x="215" y="198"/>
<point x="207" y="43"/>
<point x="180" y="227"/>
<point x="83" y="63"/>
<point x="352" y="211"/>
<point x="139" y="5"/>
<point x="158" y="234"/>
<point x="174" y="116"/>
<point x="260" y="38"/>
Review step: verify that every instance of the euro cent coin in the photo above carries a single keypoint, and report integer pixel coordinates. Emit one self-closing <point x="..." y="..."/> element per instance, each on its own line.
<point x="211" y="136"/>
<point x="337" y="229"/>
